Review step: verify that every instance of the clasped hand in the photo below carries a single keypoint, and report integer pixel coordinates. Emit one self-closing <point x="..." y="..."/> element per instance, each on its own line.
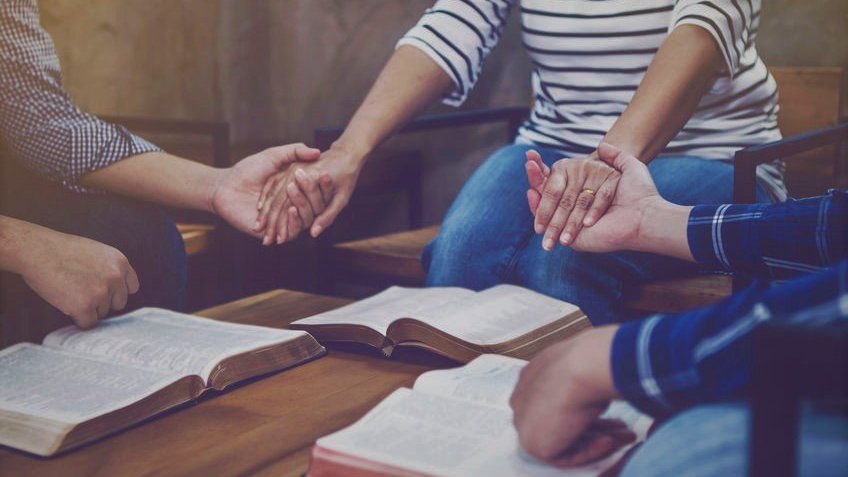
<point x="593" y="204"/>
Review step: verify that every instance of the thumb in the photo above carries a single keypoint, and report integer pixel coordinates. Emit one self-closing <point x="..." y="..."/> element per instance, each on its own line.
<point x="615" y="157"/>
<point x="286" y="154"/>
<point x="326" y="219"/>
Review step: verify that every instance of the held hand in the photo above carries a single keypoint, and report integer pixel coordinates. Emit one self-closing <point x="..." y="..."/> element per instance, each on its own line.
<point x="619" y="227"/>
<point x="240" y="186"/>
<point x="83" y="278"/>
<point x="575" y="193"/>
<point x="317" y="206"/>
<point x="558" y="400"/>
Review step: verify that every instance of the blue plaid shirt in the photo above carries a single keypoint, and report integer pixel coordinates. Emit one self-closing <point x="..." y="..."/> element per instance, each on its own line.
<point x="672" y="361"/>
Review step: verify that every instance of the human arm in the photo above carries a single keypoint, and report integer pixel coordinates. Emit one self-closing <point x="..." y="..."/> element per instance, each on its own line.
<point x="684" y="68"/>
<point x="230" y="192"/>
<point x="82" y="278"/>
<point x="778" y="240"/>
<point x="409" y="83"/>
<point x="441" y="56"/>
<point x="661" y="364"/>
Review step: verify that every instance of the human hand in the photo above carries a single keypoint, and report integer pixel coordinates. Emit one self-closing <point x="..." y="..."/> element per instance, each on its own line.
<point x="317" y="206"/>
<point x="559" y="398"/>
<point x="239" y="187"/>
<point x="616" y="223"/>
<point x="575" y="190"/>
<point x="83" y="278"/>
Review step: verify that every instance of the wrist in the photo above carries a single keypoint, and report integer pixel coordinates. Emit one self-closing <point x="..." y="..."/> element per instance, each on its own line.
<point x="590" y="365"/>
<point x="663" y="229"/>
<point x="210" y="185"/>
<point x="354" y="151"/>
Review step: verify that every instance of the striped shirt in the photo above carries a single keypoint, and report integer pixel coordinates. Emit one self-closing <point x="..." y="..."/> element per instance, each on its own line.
<point x="589" y="58"/>
<point x="668" y="362"/>
<point x="39" y="124"/>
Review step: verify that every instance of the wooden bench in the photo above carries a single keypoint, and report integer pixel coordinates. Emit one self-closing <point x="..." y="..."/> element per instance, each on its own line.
<point x="810" y="98"/>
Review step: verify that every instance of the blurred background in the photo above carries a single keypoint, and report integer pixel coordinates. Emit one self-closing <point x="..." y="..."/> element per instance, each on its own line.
<point x="277" y="69"/>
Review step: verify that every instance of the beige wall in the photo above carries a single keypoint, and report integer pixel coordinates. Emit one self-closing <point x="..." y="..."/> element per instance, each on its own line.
<point x="276" y="69"/>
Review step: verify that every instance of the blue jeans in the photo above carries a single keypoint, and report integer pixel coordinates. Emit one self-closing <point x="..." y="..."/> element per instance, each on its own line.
<point x="712" y="441"/>
<point x="487" y="236"/>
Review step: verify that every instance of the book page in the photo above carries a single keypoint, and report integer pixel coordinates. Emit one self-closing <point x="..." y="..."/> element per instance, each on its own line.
<point x="380" y="310"/>
<point x="488" y="379"/>
<point x="444" y="436"/>
<point x="162" y="339"/>
<point x="69" y="388"/>
<point x="496" y="315"/>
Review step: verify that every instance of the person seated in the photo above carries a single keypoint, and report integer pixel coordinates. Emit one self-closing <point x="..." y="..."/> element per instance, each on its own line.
<point x="691" y="369"/>
<point x="66" y="248"/>
<point x="678" y="84"/>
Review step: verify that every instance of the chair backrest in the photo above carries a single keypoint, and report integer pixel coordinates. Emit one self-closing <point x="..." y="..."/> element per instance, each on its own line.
<point x="810" y="98"/>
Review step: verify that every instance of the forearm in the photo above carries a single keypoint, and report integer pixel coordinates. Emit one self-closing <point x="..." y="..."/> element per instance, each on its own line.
<point x="160" y="178"/>
<point x="681" y="72"/>
<point x="669" y="362"/>
<point x="408" y="84"/>
<point x="17" y="238"/>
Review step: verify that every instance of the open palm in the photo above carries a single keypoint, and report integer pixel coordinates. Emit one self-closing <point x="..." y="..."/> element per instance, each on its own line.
<point x="619" y="226"/>
<point x="238" y="189"/>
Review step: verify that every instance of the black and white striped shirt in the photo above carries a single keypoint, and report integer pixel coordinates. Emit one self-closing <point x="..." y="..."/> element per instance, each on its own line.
<point x="39" y="124"/>
<point x="589" y="57"/>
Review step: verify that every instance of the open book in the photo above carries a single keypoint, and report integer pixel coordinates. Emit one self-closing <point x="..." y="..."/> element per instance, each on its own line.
<point x="81" y="385"/>
<point x="452" y="423"/>
<point x="458" y="323"/>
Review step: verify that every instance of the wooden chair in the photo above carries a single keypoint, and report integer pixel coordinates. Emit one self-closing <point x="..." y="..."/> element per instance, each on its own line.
<point x="810" y="98"/>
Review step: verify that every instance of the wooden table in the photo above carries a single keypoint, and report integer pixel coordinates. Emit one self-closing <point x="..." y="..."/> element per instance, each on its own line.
<point x="264" y="427"/>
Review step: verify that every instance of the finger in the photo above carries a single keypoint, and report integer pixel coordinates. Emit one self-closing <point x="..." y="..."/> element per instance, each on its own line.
<point x="551" y="196"/>
<point x="308" y="184"/>
<point x="534" y="176"/>
<point x="565" y="206"/>
<point x="104" y="306"/>
<point x="603" y="199"/>
<point x="325" y="183"/>
<point x="131" y="279"/>
<point x="555" y="226"/>
<point x="304" y="210"/>
<point x="327" y="218"/>
<point x="119" y="296"/>
<point x="275" y="197"/>
<point x="276" y="208"/>
<point x="575" y="219"/>
<point x="533" y="198"/>
<point x="294" y="224"/>
<point x="282" y="155"/>
<point x="534" y="156"/>
<point x="263" y="196"/>
<point x="588" y="449"/>
<point x="85" y="320"/>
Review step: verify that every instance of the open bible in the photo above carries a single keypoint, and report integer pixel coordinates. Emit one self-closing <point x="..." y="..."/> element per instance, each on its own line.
<point x="81" y="385"/>
<point x="452" y="423"/>
<point x="458" y="323"/>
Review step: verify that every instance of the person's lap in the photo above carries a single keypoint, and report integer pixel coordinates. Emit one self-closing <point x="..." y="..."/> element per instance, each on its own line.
<point x="712" y="441"/>
<point x="487" y="236"/>
<point x="144" y="233"/>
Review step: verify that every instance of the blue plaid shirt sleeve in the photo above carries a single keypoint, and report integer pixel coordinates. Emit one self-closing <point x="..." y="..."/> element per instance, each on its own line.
<point x="39" y="124"/>
<point x="774" y="241"/>
<point x="669" y="362"/>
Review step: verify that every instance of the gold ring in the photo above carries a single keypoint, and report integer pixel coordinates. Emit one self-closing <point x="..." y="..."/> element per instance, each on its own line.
<point x="588" y="191"/>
